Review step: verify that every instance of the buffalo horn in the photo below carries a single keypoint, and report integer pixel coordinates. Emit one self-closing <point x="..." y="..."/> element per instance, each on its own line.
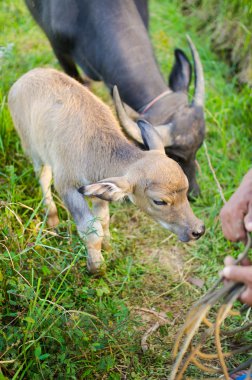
<point x="199" y="89"/>
<point x="131" y="127"/>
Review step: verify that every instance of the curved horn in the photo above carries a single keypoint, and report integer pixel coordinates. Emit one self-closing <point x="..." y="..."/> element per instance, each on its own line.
<point x="129" y="126"/>
<point x="199" y="84"/>
<point x="164" y="132"/>
<point x="133" y="115"/>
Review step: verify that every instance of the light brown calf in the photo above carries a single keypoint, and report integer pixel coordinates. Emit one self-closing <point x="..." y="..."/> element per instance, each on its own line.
<point x="71" y="135"/>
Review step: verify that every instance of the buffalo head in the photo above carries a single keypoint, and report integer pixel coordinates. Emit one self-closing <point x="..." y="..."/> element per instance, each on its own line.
<point x="179" y="122"/>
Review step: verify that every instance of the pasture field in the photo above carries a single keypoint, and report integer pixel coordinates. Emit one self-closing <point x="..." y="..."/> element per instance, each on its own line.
<point x="57" y="321"/>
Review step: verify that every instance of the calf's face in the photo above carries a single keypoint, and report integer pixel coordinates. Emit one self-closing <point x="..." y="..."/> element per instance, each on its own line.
<point x="161" y="192"/>
<point x="157" y="185"/>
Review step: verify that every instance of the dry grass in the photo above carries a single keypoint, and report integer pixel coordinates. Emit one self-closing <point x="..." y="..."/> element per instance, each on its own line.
<point x="228" y="24"/>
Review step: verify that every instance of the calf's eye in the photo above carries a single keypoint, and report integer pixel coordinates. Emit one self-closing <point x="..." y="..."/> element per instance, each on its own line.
<point x="160" y="203"/>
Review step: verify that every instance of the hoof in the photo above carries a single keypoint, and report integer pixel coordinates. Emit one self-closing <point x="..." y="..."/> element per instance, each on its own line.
<point x="53" y="220"/>
<point x="96" y="266"/>
<point x="106" y="246"/>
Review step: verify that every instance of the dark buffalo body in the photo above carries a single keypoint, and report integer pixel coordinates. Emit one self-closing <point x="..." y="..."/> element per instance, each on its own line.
<point x="109" y="41"/>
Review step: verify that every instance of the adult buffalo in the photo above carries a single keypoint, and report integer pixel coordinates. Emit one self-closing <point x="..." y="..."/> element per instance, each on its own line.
<point x="109" y="40"/>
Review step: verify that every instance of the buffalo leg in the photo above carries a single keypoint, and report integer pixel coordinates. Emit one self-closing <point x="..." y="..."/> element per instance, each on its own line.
<point x="70" y="68"/>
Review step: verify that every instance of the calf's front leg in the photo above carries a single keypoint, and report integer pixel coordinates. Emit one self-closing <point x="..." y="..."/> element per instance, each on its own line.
<point x="89" y="228"/>
<point x="101" y="211"/>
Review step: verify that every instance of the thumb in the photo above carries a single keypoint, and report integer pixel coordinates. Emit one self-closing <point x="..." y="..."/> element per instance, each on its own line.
<point x="248" y="219"/>
<point x="246" y="296"/>
<point x="238" y="273"/>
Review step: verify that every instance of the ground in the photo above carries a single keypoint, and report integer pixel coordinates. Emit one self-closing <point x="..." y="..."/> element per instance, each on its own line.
<point x="57" y="321"/>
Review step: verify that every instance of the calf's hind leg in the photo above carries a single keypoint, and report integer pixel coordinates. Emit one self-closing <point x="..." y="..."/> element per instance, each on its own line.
<point x="89" y="229"/>
<point x="45" y="180"/>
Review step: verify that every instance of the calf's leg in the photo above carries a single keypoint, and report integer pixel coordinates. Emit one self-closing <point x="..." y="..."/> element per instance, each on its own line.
<point x="89" y="229"/>
<point x="101" y="211"/>
<point x="45" y="183"/>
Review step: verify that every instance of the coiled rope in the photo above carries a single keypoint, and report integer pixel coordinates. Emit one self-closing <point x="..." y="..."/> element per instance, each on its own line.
<point x="198" y="317"/>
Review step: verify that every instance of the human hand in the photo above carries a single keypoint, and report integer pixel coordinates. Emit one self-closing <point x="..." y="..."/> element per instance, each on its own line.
<point x="236" y="215"/>
<point x="240" y="273"/>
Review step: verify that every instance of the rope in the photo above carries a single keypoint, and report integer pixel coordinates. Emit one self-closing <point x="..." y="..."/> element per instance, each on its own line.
<point x="197" y="319"/>
<point x="155" y="100"/>
<point x="213" y="173"/>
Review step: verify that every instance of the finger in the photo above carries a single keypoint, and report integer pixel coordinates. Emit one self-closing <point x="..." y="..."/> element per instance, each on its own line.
<point x="248" y="219"/>
<point x="244" y="262"/>
<point x="238" y="273"/>
<point x="239" y="231"/>
<point x="246" y="296"/>
<point x="234" y="230"/>
<point x="232" y="221"/>
<point x="229" y="260"/>
<point x="226" y="221"/>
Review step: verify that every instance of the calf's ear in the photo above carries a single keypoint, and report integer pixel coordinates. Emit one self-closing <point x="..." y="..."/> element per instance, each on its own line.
<point x="181" y="73"/>
<point x="111" y="189"/>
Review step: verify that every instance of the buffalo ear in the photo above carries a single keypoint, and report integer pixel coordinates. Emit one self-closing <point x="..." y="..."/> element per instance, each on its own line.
<point x="111" y="189"/>
<point x="150" y="136"/>
<point x="181" y="73"/>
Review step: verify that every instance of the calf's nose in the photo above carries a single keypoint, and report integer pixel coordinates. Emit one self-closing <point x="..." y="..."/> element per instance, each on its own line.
<point x="197" y="232"/>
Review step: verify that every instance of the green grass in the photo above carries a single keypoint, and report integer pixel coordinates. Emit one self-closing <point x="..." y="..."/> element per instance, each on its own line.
<point x="57" y="321"/>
